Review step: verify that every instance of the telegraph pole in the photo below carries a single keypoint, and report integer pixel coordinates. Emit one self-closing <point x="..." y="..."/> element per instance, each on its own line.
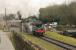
<point x="5" y="12"/>
<point x="5" y="20"/>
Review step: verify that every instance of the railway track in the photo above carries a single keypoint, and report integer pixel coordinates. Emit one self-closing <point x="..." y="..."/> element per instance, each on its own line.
<point x="58" y="43"/>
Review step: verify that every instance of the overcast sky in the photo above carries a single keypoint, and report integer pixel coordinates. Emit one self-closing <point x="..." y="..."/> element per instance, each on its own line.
<point x="27" y="7"/>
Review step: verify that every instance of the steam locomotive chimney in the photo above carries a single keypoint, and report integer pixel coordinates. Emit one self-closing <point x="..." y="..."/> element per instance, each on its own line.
<point x="19" y="15"/>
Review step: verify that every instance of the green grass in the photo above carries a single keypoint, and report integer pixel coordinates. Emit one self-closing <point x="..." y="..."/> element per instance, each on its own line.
<point x="40" y="42"/>
<point x="19" y="44"/>
<point x="66" y="39"/>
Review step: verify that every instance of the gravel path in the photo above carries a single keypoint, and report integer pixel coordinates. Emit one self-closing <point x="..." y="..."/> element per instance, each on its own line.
<point x="5" y="43"/>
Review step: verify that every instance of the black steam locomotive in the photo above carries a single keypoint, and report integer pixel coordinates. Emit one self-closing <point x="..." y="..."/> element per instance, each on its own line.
<point x="34" y="26"/>
<point x="31" y="25"/>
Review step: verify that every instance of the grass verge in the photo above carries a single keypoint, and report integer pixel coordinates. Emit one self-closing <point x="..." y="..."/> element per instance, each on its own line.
<point x="19" y="43"/>
<point x="65" y="39"/>
<point x="43" y="44"/>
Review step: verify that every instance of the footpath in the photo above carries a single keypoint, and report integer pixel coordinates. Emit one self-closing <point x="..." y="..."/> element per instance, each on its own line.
<point x="5" y="42"/>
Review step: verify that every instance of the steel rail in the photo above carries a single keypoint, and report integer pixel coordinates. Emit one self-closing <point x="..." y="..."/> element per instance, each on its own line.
<point x="58" y="43"/>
